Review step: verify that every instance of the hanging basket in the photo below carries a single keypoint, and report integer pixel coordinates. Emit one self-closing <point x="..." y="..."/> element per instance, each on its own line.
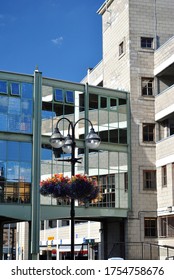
<point x="83" y="188"/>
<point x="79" y="187"/>
<point x="57" y="186"/>
<point x="61" y="190"/>
<point x="47" y="189"/>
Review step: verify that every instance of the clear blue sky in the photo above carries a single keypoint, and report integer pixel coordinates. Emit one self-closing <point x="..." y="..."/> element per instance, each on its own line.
<point x="62" y="37"/>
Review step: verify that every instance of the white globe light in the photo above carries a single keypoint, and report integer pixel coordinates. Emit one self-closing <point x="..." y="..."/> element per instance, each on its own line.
<point x="67" y="147"/>
<point x="92" y="140"/>
<point x="57" y="140"/>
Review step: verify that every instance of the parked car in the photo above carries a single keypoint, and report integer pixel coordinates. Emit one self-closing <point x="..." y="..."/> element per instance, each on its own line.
<point x="115" y="258"/>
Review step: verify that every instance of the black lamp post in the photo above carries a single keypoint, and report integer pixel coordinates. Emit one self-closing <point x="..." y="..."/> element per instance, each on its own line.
<point x="57" y="140"/>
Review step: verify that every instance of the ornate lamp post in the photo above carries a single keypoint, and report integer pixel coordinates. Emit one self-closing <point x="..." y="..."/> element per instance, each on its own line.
<point x="57" y="140"/>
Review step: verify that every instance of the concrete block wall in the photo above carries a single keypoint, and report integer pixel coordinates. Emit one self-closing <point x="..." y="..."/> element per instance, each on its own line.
<point x="164" y="53"/>
<point x="95" y="75"/>
<point x="128" y="21"/>
<point x="165" y="151"/>
<point x="165" y="22"/>
<point x="115" y="31"/>
<point x="165" y="193"/>
<point x="164" y="103"/>
<point x="144" y="22"/>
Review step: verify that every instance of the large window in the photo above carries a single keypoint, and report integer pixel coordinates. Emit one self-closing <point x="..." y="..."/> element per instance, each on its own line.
<point x="107" y="110"/>
<point x="150" y="227"/>
<point x="112" y="118"/>
<point x="149" y="179"/>
<point x="16" y="107"/>
<point x="15" y="171"/>
<point x="107" y="184"/>
<point x="148" y="132"/>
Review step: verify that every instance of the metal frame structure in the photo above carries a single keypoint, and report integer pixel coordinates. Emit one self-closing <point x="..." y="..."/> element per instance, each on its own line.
<point x="34" y="212"/>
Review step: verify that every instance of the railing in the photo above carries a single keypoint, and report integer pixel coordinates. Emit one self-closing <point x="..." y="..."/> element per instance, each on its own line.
<point x="10" y="197"/>
<point x="141" y="251"/>
<point x="109" y="198"/>
<point x="166" y="228"/>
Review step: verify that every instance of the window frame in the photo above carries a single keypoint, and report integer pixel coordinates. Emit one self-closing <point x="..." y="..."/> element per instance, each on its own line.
<point x="149" y="227"/>
<point x="6" y="86"/>
<point x="12" y="91"/>
<point x="146" y="89"/>
<point x="126" y="182"/>
<point x="148" y="134"/>
<point x="164" y="175"/>
<point x="121" y="48"/>
<point x="151" y="181"/>
<point x="147" y="42"/>
<point x="69" y="99"/>
<point x="165" y="223"/>
<point x="61" y="97"/>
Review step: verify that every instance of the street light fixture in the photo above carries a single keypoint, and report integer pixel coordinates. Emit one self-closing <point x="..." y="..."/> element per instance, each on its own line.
<point x="57" y="140"/>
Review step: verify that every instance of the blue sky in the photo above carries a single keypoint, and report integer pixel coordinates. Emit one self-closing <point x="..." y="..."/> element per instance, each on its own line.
<point x="62" y="37"/>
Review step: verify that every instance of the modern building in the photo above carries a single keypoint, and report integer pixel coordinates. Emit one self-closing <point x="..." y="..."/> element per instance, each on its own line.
<point x="128" y="97"/>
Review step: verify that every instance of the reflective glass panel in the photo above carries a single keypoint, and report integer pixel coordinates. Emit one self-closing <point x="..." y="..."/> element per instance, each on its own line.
<point x="113" y="127"/>
<point x="25" y="172"/>
<point x="14" y="123"/>
<point x="25" y="152"/>
<point x="15" y="88"/>
<point x="3" y="104"/>
<point x="3" y="146"/>
<point x="113" y="103"/>
<point x="68" y="109"/>
<point x="81" y="102"/>
<point x="15" y="167"/>
<point x="26" y="107"/>
<point x="46" y="154"/>
<point x="14" y="106"/>
<point x="47" y="93"/>
<point x="27" y="90"/>
<point x="3" y="122"/>
<point x="103" y="102"/>
<point x="48" y="114"/>
<point x="93" y="101"/>
<point x="3" y="87"/>
<point x="26" y="124"/>
<point x="2" y="171"/>
<point x="58" y="95"/>
<point x="12" y="150"/>
<point x="13" y="171"/>
<point x="69" y="96"/>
